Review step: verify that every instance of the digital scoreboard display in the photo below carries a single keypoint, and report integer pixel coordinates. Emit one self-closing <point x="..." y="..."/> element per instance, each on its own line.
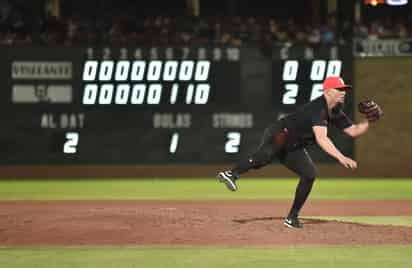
<point x="141" y="82"/>
<point x="155" y="105"/>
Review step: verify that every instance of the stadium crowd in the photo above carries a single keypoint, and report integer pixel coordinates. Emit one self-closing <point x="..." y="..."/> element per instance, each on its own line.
<point x="17" y="26"/>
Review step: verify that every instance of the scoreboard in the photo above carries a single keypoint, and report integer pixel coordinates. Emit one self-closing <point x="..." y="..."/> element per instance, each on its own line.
<point x="107" y="105"/>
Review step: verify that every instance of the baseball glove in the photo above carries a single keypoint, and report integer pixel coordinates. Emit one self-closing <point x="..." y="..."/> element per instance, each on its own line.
<point x="371" y="110"/>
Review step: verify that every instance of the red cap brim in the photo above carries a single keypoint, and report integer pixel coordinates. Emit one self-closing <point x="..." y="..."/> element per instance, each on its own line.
<point x="340" y="87"/>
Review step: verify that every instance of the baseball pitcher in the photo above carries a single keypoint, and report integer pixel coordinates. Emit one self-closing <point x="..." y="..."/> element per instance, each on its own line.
<point x="287" y="138"/>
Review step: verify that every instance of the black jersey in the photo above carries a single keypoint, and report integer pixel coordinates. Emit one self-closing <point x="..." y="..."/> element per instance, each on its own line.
<point x="315" y="113"/>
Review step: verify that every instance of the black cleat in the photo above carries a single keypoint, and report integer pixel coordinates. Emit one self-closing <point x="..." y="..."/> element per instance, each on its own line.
<point x="292" y="222"/>
<point x="229" y="179"/>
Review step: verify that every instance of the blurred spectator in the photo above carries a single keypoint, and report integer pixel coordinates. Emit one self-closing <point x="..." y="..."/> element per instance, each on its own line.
<point x="360" y="31"/>
<point x="401" y="30"/>
<point x="313" y="35"/>
<point x="327" y="34"/>
<point x="122" y="27"/>
<point x="5" y="11"/>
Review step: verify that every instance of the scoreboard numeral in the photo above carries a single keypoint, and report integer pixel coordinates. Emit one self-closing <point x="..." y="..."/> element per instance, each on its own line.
<point x="233" y="142"/>
<point x="122" y="94"/>
<point x="334" y="68"/>
<point x="106" y="53"/>
<point x="173" y="94"/>
<point x="317" y="72"/>
<point x="154" y="70"/>
<point x="290" y="70"/>
<point x="122" y="70"/>
<point x="123" y="53"/>
<point x="106" y="94"/>
<point x="202" y="70"/>
<point x="90" y="70"/>
<point x="291" y="93"/>
<point x="72" y="140"/>
<point x="170" y="71"/>
<point x="317" y="91"/>
<point x="106" y="70"/>
<point x="154" y="94"/>
<point x="202" y="93"/>
<point x="174" y="142"/>
<point x="138" y="68"/>
<point x="186" y="70"/>
<point x="189" y="93"/>
<point x="198" y="94"/>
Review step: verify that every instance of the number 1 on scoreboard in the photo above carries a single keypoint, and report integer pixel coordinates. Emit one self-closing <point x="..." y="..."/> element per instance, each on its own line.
<point x="174" y="142"/>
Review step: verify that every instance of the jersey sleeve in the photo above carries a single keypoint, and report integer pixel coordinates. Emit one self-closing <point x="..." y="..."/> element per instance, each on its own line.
<point x="341" y="121"/>
<point x="320" y="118"/>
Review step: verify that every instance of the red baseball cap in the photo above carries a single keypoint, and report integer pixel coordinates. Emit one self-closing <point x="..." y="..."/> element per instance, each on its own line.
<point x="334" y="82"/>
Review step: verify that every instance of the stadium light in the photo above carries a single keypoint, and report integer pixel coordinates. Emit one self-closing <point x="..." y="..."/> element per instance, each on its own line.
<point x="374" y="2"/>
<point x="387" y="2"/>
<point x="397" y="2"/>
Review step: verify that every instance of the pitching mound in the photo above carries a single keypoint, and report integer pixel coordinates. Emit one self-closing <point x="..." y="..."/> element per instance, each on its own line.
<point x="194" y="223"/>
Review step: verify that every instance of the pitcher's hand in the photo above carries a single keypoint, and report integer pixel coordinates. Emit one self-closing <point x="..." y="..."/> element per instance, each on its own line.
<point x="348" y="163"/>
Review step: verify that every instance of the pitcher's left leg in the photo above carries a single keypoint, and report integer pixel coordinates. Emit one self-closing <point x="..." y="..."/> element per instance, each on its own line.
<point x="301" y="163"/>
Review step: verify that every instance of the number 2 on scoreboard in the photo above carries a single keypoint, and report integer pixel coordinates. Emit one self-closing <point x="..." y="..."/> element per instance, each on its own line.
<point x="70" y="145"/>
<point x="233" y="142"/>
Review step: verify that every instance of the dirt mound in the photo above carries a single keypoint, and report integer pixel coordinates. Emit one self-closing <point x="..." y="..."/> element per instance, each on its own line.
<point x="193" y="223"/>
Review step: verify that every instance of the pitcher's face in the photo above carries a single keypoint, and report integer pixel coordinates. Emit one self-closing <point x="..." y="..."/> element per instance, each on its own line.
<point x="338" y="94"/>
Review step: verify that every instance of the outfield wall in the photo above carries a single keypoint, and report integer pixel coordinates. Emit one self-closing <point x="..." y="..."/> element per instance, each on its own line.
<point x="386" y="149"/>
<point x="383" y="152"/>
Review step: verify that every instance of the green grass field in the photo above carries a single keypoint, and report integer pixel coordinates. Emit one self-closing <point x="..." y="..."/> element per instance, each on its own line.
<point x="201" y="189"/>
<point x="208" y="189"/>
<point x="336" y="257"/>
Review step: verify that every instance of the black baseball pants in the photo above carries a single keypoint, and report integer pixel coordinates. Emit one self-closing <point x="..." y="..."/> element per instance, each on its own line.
<point x="272" y="146"/>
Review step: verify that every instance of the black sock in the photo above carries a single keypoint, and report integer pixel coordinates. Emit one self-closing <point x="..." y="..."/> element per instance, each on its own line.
<point x="302" y="192"/>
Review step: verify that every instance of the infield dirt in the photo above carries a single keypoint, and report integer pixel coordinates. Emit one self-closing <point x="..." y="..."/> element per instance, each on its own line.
<point x="194" y="223"/>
